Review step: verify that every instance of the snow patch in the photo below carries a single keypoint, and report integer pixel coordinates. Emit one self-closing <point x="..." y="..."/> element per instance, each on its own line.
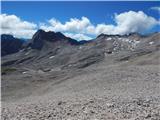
<point x="109" y="38"/>
<point x="51" y="57"/>
<point x="151" y="43"/>
<point x="24" y="72"/>
<point x="136" y="41"/>
<point x="131" y="41"/>
<point x="27" y="53"/>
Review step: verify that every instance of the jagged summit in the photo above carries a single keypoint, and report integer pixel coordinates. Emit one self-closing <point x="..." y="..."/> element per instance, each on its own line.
<point x="109" y="35"/>
<point x="40" y="37"/>
<point x="119" y="35"/>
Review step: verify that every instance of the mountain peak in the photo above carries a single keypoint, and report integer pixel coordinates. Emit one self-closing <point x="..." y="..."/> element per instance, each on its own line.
<point x="40" y="31"/>
<point x="40" y="37"/>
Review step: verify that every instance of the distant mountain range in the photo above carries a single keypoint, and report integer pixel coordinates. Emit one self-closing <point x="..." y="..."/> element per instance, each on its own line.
<point x="11" y="44"/>
<point x="53" y="49"/>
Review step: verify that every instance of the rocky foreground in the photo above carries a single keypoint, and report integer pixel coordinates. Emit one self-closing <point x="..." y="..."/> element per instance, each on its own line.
<point x="90" y="109"/>
<point x="115" y="94"/>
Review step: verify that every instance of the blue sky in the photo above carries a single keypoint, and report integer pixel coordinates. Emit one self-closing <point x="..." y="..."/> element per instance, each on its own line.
<point x="96" y="12"/>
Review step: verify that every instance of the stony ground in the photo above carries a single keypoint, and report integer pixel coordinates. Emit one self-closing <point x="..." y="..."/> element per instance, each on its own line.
<point x="102" y="93"/>
<point x="90" y="109"/>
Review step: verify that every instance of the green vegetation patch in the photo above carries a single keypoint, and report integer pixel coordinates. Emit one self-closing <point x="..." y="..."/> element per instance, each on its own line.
<point x="5" y="70"/>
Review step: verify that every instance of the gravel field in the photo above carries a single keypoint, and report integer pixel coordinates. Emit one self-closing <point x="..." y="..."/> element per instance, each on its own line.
<point x="112" y="93"/>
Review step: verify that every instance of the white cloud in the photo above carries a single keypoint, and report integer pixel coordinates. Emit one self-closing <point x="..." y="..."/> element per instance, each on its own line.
<point x="80" y="29"/>
<point x="125" y="23"/>
<point x="156" y="8"/>
<point x="78" y="36"/>
<point x="11" y="24"/>
<point x="74" y="25"/>
<point x="131" y="21"/>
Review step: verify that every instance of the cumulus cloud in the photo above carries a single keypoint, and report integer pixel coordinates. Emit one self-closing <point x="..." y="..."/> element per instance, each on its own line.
<point x="131" y="21"/>
<point x="74" y="28"/>
<point x="156" y="8"/>
<point x="11" y="24"/>
<point x="125" y="23"/>
<point x="80" y="29"/>
<point x="78" y="36"/>
<point x="73" y="25"/>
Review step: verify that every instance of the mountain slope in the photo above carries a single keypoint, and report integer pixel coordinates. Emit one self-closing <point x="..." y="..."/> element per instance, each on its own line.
<point x="110" y="77"/>
<point x="56" y="50"/>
